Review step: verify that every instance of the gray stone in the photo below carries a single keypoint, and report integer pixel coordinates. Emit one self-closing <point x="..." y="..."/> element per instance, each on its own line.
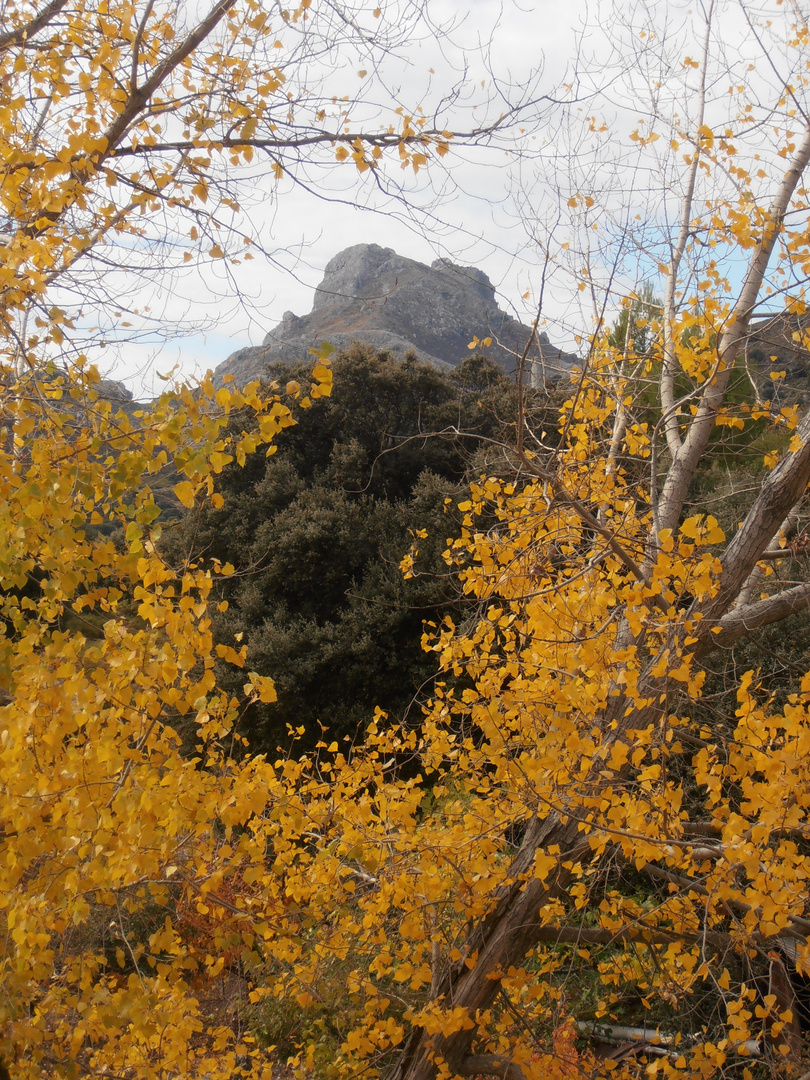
<point x="114" y="391"/>
<point x="371" y="294"/>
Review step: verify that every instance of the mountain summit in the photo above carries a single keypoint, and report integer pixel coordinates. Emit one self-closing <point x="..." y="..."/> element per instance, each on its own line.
<point x="371" y="294"/>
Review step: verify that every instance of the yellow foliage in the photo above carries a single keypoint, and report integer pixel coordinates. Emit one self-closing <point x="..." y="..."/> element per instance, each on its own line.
<point x="136" y="839"/>
<point x="452" y="871"/>
<point x="104" y="651"/>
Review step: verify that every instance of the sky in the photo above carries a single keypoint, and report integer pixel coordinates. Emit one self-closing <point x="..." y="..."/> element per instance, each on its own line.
<point x="474" y="222"/>
<point x="500" y="208"/>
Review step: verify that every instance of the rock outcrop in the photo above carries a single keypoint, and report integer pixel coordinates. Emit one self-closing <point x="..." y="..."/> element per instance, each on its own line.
<point x="371" y="294"/>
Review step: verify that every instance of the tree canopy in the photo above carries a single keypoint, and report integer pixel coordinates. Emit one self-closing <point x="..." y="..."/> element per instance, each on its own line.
<point x="574" y="839"/>
<point x="123" y="130"/>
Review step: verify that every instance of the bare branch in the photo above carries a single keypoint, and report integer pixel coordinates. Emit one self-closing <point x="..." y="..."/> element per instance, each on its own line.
<point x="744" y="620"/>
<point x="136" y="47"/>
<point x="687" y="457"/>
<point x="668" y="403"/>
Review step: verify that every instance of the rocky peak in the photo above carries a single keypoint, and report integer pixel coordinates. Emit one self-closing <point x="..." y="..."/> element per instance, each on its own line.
<point x="370" y="293"/>
<point x="475" y="280"/>
<point x="368" y="272"/>
<point x="356" y="274"/>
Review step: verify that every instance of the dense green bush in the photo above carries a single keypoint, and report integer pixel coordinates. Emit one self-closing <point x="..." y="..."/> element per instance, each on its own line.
<point x="317" y="533"/>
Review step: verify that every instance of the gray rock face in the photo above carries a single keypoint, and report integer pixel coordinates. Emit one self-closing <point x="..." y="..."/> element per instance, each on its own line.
<point x="114" y="391"/>
<point x="371" y="294"/>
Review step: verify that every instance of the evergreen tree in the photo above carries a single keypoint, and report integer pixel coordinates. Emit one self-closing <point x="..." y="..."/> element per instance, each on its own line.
<point x="317" y="534"/>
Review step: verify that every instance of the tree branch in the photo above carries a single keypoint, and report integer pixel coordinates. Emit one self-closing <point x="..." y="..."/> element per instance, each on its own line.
<point x="136" y="46"/>
<point x="136" y="101"/>
<point x="782" y="489"/>
<point x="24" y="33"/>
<point x="139" y="97"/>
<point x="743" y="620"/>
<point x="668" y="403"/>
<point x="688" y="456"/>
<point x="642" y="935"/>
<point x="565" y="497"/>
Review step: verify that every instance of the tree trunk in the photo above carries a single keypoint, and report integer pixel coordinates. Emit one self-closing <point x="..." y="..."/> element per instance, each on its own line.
<point x="499" y="942"/>
<point x="515" y="926"/>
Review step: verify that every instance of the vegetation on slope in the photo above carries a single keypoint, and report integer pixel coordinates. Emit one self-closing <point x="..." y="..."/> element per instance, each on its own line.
<point x="317" y="533"/>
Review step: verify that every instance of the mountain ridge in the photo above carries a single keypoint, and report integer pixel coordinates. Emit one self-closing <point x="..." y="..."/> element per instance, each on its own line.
<point x="399" y="305"/>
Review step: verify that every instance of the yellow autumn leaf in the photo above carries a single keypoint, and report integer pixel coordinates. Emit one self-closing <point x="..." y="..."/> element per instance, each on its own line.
<point x="185" y="492"/>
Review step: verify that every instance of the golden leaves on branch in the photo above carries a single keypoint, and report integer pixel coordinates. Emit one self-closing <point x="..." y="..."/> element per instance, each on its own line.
<point x="111" y="829"/>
